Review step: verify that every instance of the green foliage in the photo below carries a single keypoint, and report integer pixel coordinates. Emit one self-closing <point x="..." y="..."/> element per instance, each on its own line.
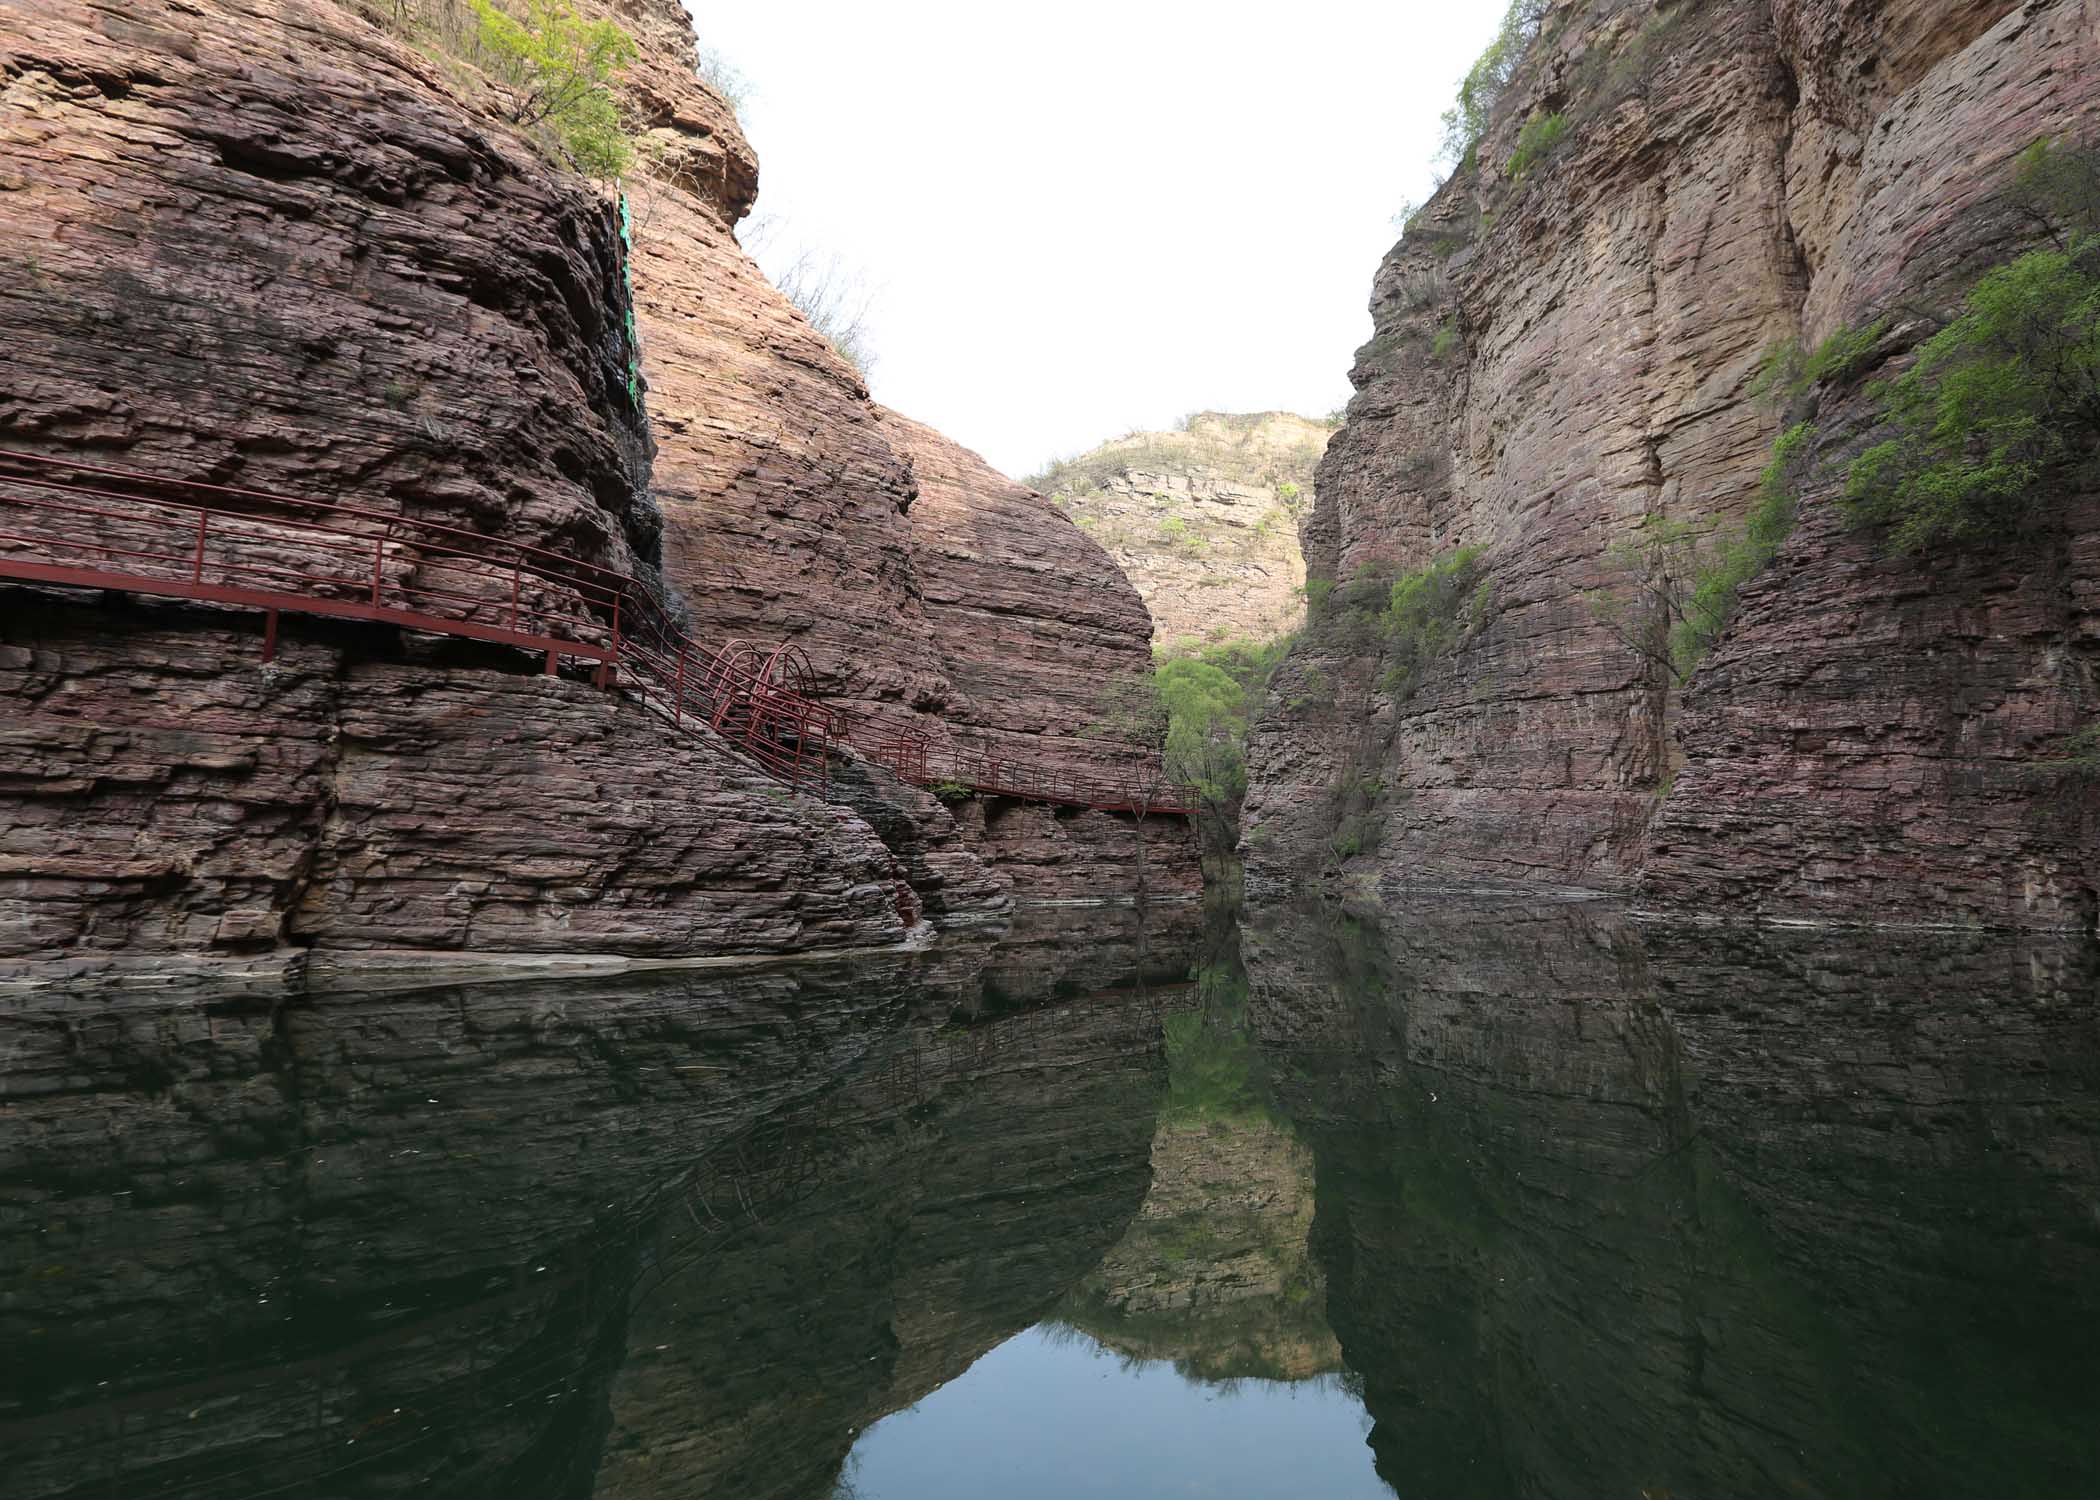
<point x="1319" y="592"/>
<point x="1210" y="697"/>
<point x="1206" y="728"/>
<point x="1212" y="1067"/>
<point x="1446" y="341"/>
<point x="1350" y="611"/>
<point x="2074" y="757"/>
<point x="1789" y="371"/>
<point x="2000" y="406"/>
<point x="1317" y="693"/>
<point x="1469" y="116"/>
<point x="1178" y="534"/>
<point x="951" y="792"/>
<point x="562" y="68"/>
<point x="1431" y="611"/>
<point x="1288" y="492"/>
<point x="1541" y="133"/>
<point x="1739" y="556"/>
<point x="2059" y="187"/>
<point x="1196" y="705"/>
<point x="1686" y="581"/>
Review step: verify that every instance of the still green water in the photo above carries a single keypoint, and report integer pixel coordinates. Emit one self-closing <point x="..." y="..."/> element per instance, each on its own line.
<point x="1469" y="1200"/>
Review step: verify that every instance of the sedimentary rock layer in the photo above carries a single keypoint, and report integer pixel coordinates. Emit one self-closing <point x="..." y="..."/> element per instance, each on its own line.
<point x="1203" y="519"/>
<point x="1564" y="352"/>
<point x="299" y="248"/>
<point x="166" y="792"/>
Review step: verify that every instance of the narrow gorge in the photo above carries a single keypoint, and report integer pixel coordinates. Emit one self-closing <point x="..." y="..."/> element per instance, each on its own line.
<point x="903" y="842"/>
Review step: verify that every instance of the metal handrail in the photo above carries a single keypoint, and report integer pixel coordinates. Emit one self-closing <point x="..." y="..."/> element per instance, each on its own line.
<point x="79" y="524"/>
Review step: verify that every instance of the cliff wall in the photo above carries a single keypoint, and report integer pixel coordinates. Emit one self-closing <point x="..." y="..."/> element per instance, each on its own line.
<point x="288" y="247"/>
<point x="1569" y="348"/>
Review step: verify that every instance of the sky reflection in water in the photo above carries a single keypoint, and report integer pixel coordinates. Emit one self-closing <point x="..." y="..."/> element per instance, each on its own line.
<point x="1050" y="1415"/>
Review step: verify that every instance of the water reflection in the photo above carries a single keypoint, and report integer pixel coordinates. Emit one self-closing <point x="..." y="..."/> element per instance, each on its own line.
<point x="1606" y="1210"/>
<point x="1543" y="1201"/>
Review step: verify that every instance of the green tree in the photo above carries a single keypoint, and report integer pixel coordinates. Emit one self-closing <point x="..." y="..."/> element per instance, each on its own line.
<point x="2001" y="409"/>
<point x="1429" y="612"/>
<point x="1467" y="120"/>
<point x="562" y="67"/>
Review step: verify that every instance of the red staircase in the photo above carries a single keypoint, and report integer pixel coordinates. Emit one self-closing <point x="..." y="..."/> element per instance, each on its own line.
<point x="81" y="525"/>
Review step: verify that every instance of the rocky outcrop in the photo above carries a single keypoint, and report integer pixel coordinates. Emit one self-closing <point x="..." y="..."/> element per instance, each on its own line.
<point x="170" y="794"/>
<point x="1564" y="352"/>
<point x="298" y="248"/>
<point x="1203" y="519"/>
<point x="269" y="245"/>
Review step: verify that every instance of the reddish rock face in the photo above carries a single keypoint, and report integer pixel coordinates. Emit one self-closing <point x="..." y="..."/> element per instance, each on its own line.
<point x="170" y="794"/>
<point x="1029" y="619"/>
<point x="1730" y="176"/>
<point x="276" y="246"/>
<point x="266" y="245"/>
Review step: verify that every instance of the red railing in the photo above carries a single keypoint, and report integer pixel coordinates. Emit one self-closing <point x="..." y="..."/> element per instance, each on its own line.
<point x="66" y="522"/>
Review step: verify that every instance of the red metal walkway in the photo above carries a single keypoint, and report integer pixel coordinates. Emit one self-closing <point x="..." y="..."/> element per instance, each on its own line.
<point x="81" y="525"/>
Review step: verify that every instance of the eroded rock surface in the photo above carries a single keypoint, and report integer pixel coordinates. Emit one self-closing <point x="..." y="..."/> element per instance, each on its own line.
<point x="1203" y="520"/>
<point x="169" y="793"/>
<point x="1561" y="356"/>
<point x="293" y="248"/>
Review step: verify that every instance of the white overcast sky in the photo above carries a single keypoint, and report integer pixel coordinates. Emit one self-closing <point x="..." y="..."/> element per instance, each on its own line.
<point x="1080" y="218"/>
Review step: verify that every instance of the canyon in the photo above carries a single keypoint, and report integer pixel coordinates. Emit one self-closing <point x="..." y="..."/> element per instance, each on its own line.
<point x="1568" y="344"/>
<point x="306" y="249"/>
<point x="301" y="249"/>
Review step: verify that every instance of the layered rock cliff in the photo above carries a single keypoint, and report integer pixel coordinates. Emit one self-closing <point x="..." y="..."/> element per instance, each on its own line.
<point x="1203" y="519"/>
<point x="1568" y="343"/>
<point x="298" y="248"/>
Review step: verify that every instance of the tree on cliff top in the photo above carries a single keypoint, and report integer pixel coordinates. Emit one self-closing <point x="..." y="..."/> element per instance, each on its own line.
<point x="562" y="68"/>
<point x="1467" y="120"/>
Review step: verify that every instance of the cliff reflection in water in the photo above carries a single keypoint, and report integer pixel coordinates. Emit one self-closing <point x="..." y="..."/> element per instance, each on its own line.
<point x="1573" y="1207"/>
<point x="1616" y="1210"/>
<point x="665" y="1236"/>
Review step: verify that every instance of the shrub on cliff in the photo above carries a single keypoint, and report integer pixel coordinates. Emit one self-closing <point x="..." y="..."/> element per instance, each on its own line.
<point x="1685" y="581"/>
<point x="1430" y="612"/>
<point x="561" y="68"/>
<point x="2000" y="411"/>
<point x="1467" y="120"/>
<point x="1535" y="142"/>
<point x="2074" y="757"/>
